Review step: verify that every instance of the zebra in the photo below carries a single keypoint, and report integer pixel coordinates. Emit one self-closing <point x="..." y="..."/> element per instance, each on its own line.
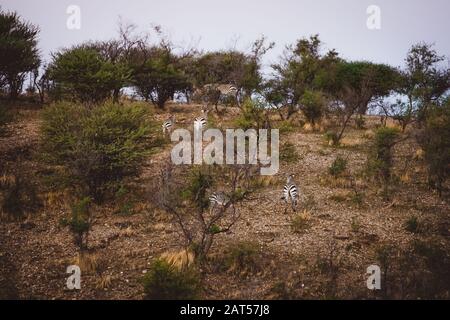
<point x="213" y="92"/>
<point x="290" y="193"/>
<point x="167" y="126"/>
<point x="218" y="199"/>
<point x="201" y="121"/>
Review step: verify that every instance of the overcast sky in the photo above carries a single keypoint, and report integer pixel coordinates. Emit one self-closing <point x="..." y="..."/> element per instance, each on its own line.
<point x="342" y="24"/>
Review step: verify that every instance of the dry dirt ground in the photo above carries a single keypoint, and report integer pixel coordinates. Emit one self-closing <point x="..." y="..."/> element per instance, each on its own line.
<point x="36" y="250"/>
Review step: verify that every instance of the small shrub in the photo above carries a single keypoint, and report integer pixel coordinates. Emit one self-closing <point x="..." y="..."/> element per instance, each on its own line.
<point x="242" y="258"/>
<point x="379" y="160"/>
<point x="301" y="221"/>
<point x="286" y="126"/>
<point x="79" y="222"/>
<point x="252" y="115"/>
<point x="338" y="166"/>
<point x="165" y="282"/>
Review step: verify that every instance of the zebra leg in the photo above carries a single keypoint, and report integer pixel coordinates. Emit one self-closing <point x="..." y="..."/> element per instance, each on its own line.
<point x="294" y="205"/>
<point x="286" y="204"/>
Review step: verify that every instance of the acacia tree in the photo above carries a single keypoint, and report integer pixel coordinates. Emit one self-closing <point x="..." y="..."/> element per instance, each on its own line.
<point x="241" y="69"/>
<point x="354" y="86"/>
<point x="82" y="73"/>
<point x="371" y="81"/>
<point x="302" y="68"/>
<point x="425" y="82"/>
<point x="18" y="51"/>
<point x="156" y="73"/>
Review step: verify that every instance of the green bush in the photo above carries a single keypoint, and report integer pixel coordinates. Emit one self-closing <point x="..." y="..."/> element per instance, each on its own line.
<point x="252" y="115"/>
<point x="312" y="103"/>
<point x="286" y="126"/>
<point x="379" y="160"/>
<point x="98" y="147"/>
<point x="435" y="141"/>
<point x="165" y="282"/>
<point x="79" y="221"/>
<point x="338" y="166"/>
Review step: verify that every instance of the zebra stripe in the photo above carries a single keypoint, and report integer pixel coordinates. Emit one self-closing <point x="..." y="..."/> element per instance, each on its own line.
<point x="227" y="89"/>
<point x="200" y="122"/>
<point x="290" y="193"/>
<point x="218" y="198"/>
<point x="222" y="89"/>
<point x="168" y="124"/>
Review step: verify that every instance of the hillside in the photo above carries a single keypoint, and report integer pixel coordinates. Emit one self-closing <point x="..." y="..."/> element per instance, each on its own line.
<point x="342" y="225"/>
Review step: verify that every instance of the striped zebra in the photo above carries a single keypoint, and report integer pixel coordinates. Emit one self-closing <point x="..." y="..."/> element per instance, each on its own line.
<point x="212" y="93"/>
<point x="218" y="199"/>
<point x="290" y="193"/>
<point x="200" y="122"/>
<point x="168" y="125"/>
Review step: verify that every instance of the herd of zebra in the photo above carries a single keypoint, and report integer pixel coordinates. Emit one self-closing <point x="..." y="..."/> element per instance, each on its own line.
<point x="290" y="193"/>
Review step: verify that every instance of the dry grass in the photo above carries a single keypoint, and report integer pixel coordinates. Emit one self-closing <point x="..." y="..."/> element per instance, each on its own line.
<point x="127" y="232"/>
<point x="88" y="262"/>
<point x="301" y="221"/>
<point x="7" y="181"/>
<point x="352" y="141"/>
<point x="181" y="259"/>
<point x="57" y="199"/>
<point x="103" y="282"/>
<point x="335" y="182"/>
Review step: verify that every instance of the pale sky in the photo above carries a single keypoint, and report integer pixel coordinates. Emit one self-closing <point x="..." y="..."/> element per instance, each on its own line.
<point x="216" y="24"/>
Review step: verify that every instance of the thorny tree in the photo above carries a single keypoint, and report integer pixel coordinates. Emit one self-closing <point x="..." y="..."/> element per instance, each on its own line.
<point x="187" y="201"/>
